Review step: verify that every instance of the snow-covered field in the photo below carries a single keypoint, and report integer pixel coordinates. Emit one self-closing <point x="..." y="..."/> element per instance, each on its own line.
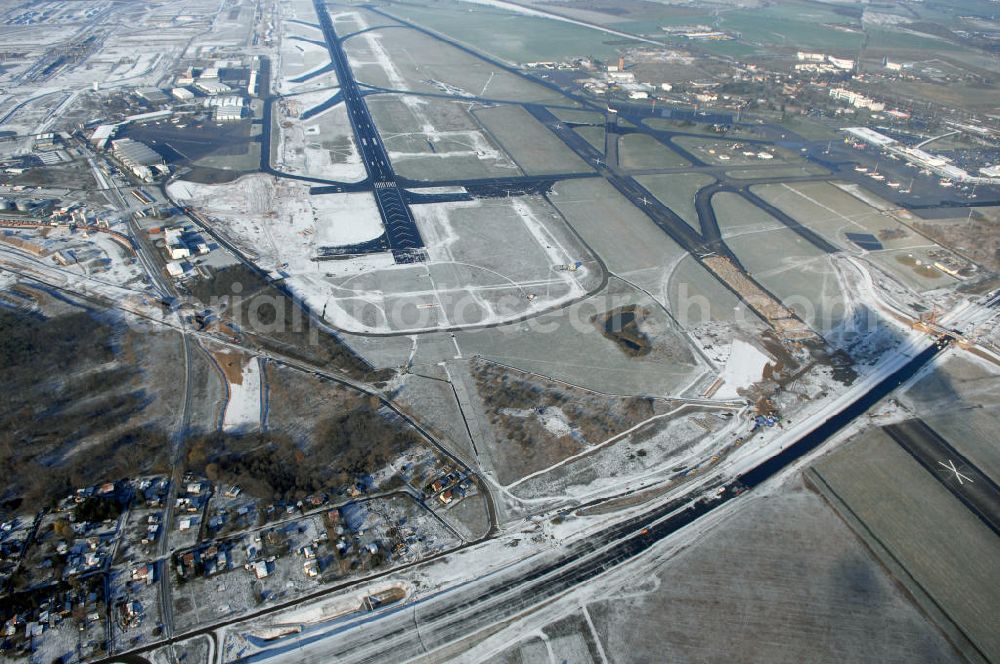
<point x="279" y="223"/>
<point x="490" y="261"/>
<point x="243" y="407"/>
<point x="346" y="219"/>
<point x="744" y="367"/>
<point x="322" y="146"/>
<point x="299" y="61"/>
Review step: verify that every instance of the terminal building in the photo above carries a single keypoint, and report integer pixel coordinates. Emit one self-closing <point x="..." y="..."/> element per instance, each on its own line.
<point x="937" y="164"/>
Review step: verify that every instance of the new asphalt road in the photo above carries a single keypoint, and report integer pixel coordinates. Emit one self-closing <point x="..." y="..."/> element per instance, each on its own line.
<point x="408" y="631"/>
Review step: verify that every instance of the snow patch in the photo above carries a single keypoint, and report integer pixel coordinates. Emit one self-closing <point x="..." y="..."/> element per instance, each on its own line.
<point x="744" y="367"/>
<point x="243" y="407"/>
<point x="279" y="225"/>
<point x="321" y="147"/>
<point x="346" y="219"/>
<point x="551" y="417"/>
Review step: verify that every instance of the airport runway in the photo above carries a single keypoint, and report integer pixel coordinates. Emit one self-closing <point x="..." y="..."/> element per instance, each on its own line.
<point x="963" y="479"/>
<point x="401" y="230"/>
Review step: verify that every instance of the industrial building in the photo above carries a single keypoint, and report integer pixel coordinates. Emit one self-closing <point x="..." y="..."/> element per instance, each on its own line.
<point x="152" y="95"/>
<point x="182" y="94"/>
<point x="212" y="87"/>
<point x="152" y="116"/>
<point x="226" y="109"/>
<point x="870" y="136"/>
<point x="105" y="132"/>
<point x="137" y="157"/>
<point x="229" y="100"/>
<point x="102" y="134"/>
<point x="227" y="113"/>
<point x="45" y="141"/>
<point x="176" y="247"/>
<point x="843" y="64"/>
<point x="856" y="99"/>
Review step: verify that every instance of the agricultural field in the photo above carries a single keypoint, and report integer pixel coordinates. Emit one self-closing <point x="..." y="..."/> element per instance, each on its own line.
<point x="974" y="98"/>
<point x="793" y="25"/>
<point x="511" y="37"/>
<point x="939" y="549"/>
<point x="842" y="602"/>
<point x="956" y="401"/>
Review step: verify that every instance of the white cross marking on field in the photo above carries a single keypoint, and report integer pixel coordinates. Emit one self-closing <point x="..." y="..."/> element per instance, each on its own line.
<point x="958" y="475"/>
